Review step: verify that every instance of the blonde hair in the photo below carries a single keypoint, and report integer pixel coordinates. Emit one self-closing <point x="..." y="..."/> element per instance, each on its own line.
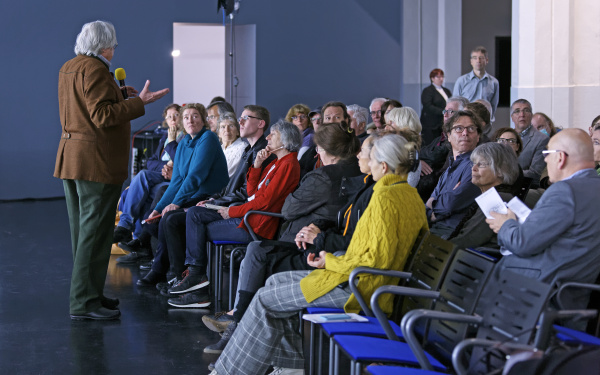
<point x="404" y="117"/>
<point x="394" y="150"/>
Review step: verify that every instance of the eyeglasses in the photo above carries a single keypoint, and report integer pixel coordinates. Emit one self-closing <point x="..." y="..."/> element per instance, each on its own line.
<point x="512" y="141"/>
<point x="116" y="45"/>
<point x="299" y="117"/>
<point x="375" y="113"/>
<point x="450" y="112"/>
<point x="478" y="58"/>
<point x="211" y="117"/>
<point x="524" y="110"/>
<point x="316" y="120"/>
<point x="169" y="117"/>
<point x="546" y="152"/>
<point x="459" y="129"/>
<point x="245" y="118"/>
<point x="481" y="164"/>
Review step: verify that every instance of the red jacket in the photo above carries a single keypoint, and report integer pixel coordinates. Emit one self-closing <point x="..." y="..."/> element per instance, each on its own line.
<point x="280" y="177"/>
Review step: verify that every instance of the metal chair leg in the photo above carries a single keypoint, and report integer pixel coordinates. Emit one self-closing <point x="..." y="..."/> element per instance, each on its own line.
<point x="232" y="257"/>
<point x="320" y="352"/>
<point x="311" y="351"/>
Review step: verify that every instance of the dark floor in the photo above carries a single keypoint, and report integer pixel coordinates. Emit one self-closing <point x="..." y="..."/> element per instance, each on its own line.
<point x="38" y="337"/>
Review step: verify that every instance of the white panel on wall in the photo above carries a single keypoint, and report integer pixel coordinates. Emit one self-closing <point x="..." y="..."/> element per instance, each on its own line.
<point x="199" y="70"/>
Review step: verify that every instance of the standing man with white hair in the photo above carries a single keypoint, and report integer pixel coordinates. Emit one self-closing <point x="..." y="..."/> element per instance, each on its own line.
<point x="92" y="160"/>
<point x="358" y="121"/>
<point x="375" y="110"/>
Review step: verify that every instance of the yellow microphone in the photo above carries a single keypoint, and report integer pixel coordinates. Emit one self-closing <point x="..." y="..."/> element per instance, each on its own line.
<point x="120" y="76"/>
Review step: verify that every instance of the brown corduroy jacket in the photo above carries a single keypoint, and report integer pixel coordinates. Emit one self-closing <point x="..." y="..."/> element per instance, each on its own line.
<point x="94" y="144"/>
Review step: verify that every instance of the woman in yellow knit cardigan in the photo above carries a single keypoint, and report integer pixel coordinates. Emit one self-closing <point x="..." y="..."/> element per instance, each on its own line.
<point x="267" y="334"/>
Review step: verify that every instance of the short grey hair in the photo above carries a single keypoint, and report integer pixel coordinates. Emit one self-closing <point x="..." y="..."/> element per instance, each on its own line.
<point x="289" y="133"/>
<point x="501" y="158"/>
<point x="382" y="100"/>
<point x="361" y="114"/>
<point x="230" y="117"/>
<point x="95" y="37"/>
<point x="462" y="101"/>
<point x="405" y="117"/>
<point x="395" y="151"/>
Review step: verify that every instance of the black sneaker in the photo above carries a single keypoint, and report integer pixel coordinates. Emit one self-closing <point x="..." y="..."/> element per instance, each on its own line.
<point x="218" y="347"/>
<point x="189" y="283"/>
<point x="146" y="266"/>
<point x="122" y="234"/>
<point x="134" y="257"/>
<point x="199" y="298"/>
<point x="218" y="322"/>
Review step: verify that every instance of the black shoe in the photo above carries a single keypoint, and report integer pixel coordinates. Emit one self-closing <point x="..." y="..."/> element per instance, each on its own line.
<point x="122" y="234"/>
<point x="110" y="303"/>
<point x="190" y="282"/>
<point x="146" y="265"/>
<point x="101" y="313"/>
<point x="134" y="257"/>
<point x="167" y="284"/>
<point x="218" y="347"/>
<point x="218" y="322"/>
<point x="151" y="279"/>
<point x="198" y="298"/>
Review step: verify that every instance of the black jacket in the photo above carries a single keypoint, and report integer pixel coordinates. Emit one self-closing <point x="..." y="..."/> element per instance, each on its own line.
<point x="321" y="194"/>
<point x="338" y="238"/>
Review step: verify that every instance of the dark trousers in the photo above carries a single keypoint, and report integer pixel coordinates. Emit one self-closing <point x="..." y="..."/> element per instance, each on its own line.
<point x="171" y="243"/>
<point x="203" y="224"/>
<point x="91" y="207"/>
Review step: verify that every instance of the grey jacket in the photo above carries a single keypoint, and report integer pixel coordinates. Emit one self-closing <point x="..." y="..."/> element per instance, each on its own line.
<point x="531" y="158"/>
<point x="560" y="239"/>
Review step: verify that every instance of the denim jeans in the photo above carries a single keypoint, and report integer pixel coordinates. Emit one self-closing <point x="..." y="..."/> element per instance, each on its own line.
<point x="141" y="191"/>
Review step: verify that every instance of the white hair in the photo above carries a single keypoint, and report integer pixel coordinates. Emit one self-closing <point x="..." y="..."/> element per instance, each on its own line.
<point x="361" y="114"/>
<point x="405" y="117"/>
<point x="395" y="151"/>
<point x="382" y="100"/>
<point x="95" y="37"/>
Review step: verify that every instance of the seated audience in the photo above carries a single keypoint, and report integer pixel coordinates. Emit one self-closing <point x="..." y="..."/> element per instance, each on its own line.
<point x="455" y="192"/>
<point x="316" y="202"/>
<point x="375" y="112"/>
<point x="534" y="142"/>
<point x="298" y="115"/>
<point x="233" y="146"/>
<point x="171" y="247"/>
<point x="268" y="332"/>
<point x="595" y="122"/>
<point x="358" y="121"/>
<point x="494" y="166"/>
<point x="558" y="242"/>
<point x="487" y="131"/>
<point x="544" y="124"/>
<point x="200" y="170"/>
<point x="269" y="189"/>
<point x="143" y="189"/>
<point x="433" y="99"/>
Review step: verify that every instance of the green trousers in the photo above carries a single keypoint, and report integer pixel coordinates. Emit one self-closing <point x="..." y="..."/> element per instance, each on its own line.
<point x="91" y="207"/>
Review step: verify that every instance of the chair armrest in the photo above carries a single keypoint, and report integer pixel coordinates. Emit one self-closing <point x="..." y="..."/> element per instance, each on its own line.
<point x="409" y="322"/>
<point x="573" y="285"/>
<point x="458" y="352"/>
<point x="373" y="271"/>
<point x="249" y="228"/>
<point x="547" y="319"/>
<point x="400" y="291"/>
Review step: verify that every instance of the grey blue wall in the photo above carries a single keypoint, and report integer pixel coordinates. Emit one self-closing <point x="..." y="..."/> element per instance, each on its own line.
<point x="308" y="51"/>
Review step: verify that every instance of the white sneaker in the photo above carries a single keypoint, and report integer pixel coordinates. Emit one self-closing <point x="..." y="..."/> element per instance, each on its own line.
<point x="287" y="371"/>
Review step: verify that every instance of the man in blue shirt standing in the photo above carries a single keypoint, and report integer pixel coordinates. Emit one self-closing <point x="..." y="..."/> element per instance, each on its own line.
<point x="478" y="84"/>
<point x="455" y="192"/>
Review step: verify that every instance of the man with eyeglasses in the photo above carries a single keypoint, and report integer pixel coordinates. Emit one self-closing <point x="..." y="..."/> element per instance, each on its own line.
<point x="455" y="192"/>
<point x="253" y="123"/>
<point x="558" y="242"/>
<point x="375" y="111"/>
<point x="478" y="84"/>
<point x="214" y="110"/>
<point x="531" y="159"/>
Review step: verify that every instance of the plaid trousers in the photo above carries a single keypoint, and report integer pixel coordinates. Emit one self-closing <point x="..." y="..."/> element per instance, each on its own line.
<point x="268" y="333"/>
